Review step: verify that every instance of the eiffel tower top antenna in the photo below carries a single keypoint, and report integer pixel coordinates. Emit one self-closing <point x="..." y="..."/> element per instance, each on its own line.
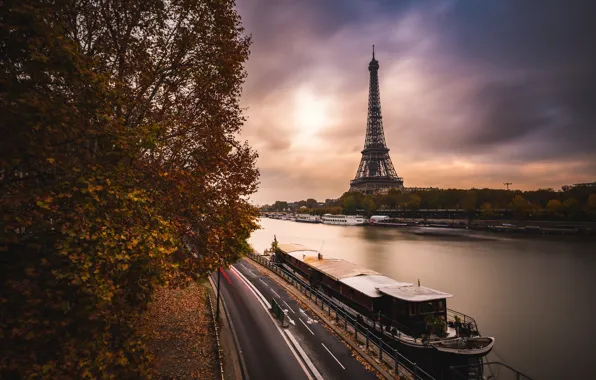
<point x="373" y="51"/>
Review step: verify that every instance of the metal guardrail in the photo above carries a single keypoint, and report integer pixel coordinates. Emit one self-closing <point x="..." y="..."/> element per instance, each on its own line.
<point x="362" y="334"/>
<point x="219" y="349"/>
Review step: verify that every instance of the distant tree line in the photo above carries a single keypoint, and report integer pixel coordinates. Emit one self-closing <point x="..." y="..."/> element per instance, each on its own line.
<point x="571" y="203"/>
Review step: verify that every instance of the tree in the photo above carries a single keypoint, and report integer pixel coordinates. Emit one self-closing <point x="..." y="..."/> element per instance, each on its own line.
<point x="311" y="203"/>
<point x="120" y="172"/>
<point x="592" y="204"/>
<point x="555" y="207"/>
<point x="369" y="206"/>
<point x="469" y="204"/>
<point x="349" y="204"/>
<point x="572" y="208"/>
<point x="413" y="203"/>
<point x="520" y="206"/>
<point x="486" y="210"/>
<point x="280" y="206"/>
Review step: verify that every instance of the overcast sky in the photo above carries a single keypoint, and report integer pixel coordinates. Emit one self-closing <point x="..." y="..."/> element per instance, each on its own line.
<point x="473" y="93"/>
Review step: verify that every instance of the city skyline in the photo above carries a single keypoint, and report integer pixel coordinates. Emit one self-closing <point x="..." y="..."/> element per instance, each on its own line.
<point x="473" y="95"/>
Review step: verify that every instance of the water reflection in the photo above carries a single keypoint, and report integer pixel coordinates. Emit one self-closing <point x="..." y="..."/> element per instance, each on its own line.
<point x="534" y="295"/>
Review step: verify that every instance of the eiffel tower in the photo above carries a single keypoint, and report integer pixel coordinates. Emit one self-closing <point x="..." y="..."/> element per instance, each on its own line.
<point x="376" y="172"/>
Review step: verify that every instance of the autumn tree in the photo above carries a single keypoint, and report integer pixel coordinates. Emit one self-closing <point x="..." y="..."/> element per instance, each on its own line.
<point x="120" y="172"/>
<point x="520" y="207"/>
<point x="555" y="207"/>
<point x="572" y="208"/>
<point x="469" y="204"/>
<point x="349" y="204"/>
<point x="368" y="205"/>
<point x="486" y="210"/>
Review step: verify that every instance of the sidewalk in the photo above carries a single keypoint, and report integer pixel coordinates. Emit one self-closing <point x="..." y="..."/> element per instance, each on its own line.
<point x="184" y="344"/>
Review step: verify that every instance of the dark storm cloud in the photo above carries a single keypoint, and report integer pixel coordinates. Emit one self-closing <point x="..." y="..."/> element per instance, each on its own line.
<point x="471" y="90"/>
<point x="545" y="52"/>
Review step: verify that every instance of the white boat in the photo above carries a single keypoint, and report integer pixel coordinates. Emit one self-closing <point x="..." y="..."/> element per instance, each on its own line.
<point x="306" y="218"/>
<point x="378" y="218"/>
<point x="343" y="220"/>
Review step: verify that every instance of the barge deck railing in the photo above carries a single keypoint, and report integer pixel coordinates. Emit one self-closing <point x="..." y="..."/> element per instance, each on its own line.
<point x="466" y="321"/>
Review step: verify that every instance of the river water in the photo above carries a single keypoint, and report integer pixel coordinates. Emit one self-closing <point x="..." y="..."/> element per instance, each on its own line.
<point x="536" y="296"/>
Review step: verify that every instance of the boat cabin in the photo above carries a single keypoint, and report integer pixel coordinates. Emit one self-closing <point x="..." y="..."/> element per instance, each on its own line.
<point x="416" y="307"/>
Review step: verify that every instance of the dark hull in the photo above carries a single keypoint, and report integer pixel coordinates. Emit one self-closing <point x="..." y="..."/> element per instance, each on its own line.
<point x="308" y="221"/>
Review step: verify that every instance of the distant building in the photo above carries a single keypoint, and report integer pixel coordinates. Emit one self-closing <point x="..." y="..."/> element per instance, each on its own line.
<point x="412" y="189"/>
<point x="587" y="184"/>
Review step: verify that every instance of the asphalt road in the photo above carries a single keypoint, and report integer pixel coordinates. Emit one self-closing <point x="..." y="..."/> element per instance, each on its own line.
<point x="265" y="351"/>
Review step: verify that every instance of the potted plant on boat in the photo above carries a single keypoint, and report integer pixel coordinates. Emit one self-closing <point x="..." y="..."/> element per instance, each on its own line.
<point x="457" y="321"/>
<point x="436" y="325"/>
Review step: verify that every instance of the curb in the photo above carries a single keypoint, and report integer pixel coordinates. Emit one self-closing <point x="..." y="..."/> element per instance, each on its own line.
<point x="296" y="294"/>
<point x="216" y="328"/>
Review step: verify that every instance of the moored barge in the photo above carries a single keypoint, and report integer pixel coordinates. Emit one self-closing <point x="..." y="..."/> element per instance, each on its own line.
<point x="415" y="318"/>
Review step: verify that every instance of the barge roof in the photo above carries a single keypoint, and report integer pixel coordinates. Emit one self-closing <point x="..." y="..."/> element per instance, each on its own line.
<point x="370" y="285"/>
<point x="366" y="281"/>
<point x="291" y="247"/>
<point x="412" y="293"/>
<point x="330" y="266"/>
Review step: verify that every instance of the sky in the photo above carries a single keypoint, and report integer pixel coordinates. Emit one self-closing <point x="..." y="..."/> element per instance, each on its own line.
<point x="473" y="93"/>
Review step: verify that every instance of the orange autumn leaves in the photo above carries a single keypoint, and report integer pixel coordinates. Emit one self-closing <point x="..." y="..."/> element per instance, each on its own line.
<point x="182" y="334"/>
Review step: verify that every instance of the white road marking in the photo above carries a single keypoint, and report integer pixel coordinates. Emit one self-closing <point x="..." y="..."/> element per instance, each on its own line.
<point x="248" y="269"/>
<point x="289" y="307"/>
<point x="263" y="282"/>
<point x="261" y="298"/>
<point x="274" y="292"/>
<point x="289" y="319"/>
<point x="256" y="292"/>
<point x="306" y="326"/>
<point x="304" y="356"/>
<point x="334" y="357"/>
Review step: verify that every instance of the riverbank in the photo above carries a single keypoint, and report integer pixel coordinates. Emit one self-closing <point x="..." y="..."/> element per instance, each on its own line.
<point x="183" y="343"/>
<point x="510" y="227"/>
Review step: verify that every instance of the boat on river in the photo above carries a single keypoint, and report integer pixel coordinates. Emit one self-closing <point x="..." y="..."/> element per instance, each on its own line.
<point x="306" y="218"/>
<point x="414" y="319"/>
<point x="343" y="220"/>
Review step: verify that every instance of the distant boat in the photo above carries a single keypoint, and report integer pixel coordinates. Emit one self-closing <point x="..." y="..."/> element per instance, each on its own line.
<point x="378" y="218"/>
<point x="343" y="220"/>
<point x="306" y="218"/>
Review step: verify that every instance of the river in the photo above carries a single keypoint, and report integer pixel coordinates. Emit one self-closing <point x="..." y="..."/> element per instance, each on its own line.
<point x="536" y="296"/>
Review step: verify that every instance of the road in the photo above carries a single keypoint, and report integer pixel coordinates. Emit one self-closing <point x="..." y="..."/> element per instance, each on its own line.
<point x="304" y="350"/>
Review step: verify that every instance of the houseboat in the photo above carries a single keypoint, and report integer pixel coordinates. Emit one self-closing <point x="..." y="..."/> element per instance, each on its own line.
<point x="378" y="218"/>
<point x="343" y="220"/>
<point x="413" y="318"/>
<point x="306" y="218"/>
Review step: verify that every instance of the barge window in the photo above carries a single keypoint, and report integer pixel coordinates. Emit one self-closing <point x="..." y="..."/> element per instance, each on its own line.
<point x="412" y="309"/>
<point x="426" y="308"/>
<point x="441" y="306"/>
